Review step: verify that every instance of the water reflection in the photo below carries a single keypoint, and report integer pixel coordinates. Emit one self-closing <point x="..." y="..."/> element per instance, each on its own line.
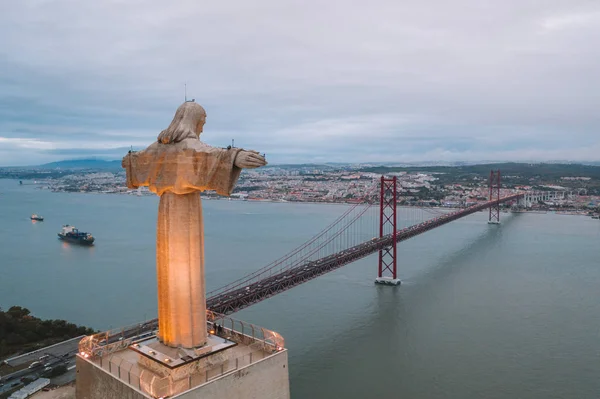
<point x="68" y="247"/>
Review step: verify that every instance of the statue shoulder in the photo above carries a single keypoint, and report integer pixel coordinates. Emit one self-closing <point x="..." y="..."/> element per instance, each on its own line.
<point x="197" y="145"/>
<point x="152" y="148"/>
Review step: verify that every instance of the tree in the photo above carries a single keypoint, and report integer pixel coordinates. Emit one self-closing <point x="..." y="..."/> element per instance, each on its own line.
<point x="20" y="331"/>
<point x="18" y="312"/>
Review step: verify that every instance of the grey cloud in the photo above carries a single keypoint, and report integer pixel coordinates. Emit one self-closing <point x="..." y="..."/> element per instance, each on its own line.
<point x="383" y="80"/>
<point x="109" y="153"/>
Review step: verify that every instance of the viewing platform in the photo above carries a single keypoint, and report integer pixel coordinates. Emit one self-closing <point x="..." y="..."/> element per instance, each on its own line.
<point x="131" y="362"/>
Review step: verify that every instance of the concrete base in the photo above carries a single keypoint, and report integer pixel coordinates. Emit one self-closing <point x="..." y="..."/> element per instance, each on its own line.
<point x="171" y="358"/>
<point x="492" y="222"/>
<point x="387" y="281"/>
<point x="266" y="378"/>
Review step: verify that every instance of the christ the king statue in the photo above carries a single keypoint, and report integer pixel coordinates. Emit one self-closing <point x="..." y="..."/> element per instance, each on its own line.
<point x="177" y="168"/>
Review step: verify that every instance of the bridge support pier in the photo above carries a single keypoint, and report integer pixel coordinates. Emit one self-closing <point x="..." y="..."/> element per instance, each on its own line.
<point x="387" y="272"/>
<point x="494" y="196"/>
<point x="387" y="281"/>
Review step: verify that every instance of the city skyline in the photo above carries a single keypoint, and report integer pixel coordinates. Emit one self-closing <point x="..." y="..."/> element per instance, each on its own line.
<point x="305" y="82"/>
<point x="103" y="162"/>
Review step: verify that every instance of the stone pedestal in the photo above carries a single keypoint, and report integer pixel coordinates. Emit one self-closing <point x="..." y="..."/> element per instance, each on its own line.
<point x="180" y="271"/>
<point x="236" y="372"/>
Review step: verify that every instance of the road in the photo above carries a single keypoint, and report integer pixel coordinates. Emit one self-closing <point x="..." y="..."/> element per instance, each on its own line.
<point x="69" y="346"/>
<point x="14" y="380"/>
<point x="62" y="353"/>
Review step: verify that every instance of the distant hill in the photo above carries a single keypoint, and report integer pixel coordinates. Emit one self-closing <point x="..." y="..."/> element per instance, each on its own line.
<point x="302" y="165"/>
<point x="95" y="164"/>
<point x="519" y="172"/>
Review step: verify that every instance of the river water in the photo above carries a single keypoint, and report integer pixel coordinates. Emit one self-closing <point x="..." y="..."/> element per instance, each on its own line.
<point x="510" y="311"/>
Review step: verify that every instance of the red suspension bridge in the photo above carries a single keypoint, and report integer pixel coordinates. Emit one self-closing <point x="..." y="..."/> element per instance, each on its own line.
<point x="335" y="247"/>
<point x="341" y="243"/>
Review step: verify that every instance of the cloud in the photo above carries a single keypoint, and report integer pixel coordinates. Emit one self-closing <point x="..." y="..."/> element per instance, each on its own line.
<point x="571" y="21"/>
<point x="304" y="80"/>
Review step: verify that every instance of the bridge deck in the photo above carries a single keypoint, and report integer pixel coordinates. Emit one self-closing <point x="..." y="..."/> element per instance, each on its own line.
<point x="240" y="298"/>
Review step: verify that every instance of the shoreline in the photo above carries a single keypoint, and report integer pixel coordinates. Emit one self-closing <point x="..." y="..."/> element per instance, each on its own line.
<point x="43" y="185"/>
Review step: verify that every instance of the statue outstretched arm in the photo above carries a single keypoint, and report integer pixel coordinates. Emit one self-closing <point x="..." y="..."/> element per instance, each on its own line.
<point x="248" y="159"/>
<point x="187" y="167"/>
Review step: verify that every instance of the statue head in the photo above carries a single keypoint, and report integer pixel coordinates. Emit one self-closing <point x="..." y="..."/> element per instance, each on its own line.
<point x="187" y="123"/>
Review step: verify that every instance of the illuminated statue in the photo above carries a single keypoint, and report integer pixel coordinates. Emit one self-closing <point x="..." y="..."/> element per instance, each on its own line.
<point x="177" y="168"/>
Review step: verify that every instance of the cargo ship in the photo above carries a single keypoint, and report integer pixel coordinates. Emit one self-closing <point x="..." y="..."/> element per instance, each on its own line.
<point x="37" y="217"/>
<point x="71" y="234"/>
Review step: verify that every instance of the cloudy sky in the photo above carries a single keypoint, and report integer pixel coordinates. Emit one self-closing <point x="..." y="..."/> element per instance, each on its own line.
<point x="304" y="81"/>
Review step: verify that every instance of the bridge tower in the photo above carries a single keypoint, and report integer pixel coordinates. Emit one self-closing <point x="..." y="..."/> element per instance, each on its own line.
<point x="494" y="196"/>
<point x="387" y="273"/>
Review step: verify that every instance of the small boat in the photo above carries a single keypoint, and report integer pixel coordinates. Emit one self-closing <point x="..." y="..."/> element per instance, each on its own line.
<point x="596" y="217"/>
<point x="72" y="234"/>
<point x="37" y="217"/>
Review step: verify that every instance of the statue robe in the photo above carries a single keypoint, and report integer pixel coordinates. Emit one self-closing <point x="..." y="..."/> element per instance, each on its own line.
<point x="178" y="173"/>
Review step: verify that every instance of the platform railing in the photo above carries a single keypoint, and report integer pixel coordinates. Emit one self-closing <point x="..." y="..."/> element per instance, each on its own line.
<point x="111" y="341"/>
<point x="244" y="333"/>
<point x="102" y="349"/>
